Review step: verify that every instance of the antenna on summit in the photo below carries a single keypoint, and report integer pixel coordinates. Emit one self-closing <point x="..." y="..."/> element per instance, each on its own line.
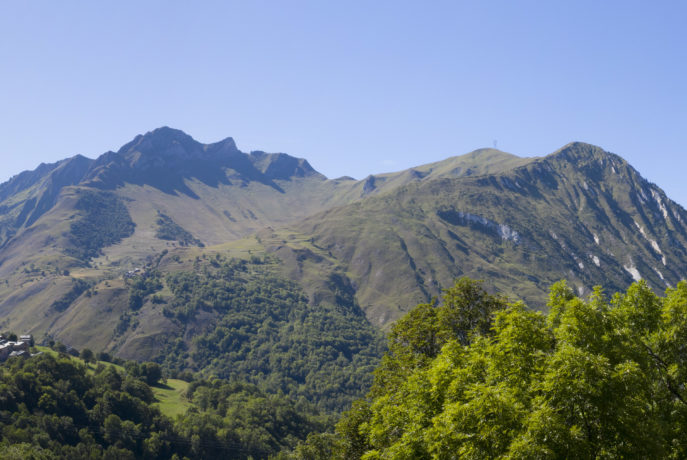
<point x="495" y="143"/>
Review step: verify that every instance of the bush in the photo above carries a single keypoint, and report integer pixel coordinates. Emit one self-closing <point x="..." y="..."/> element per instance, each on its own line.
<point x="87" y="355"/>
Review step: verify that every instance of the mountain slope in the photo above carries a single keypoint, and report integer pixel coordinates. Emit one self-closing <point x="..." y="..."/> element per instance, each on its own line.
<point x="93" y="251"/>
<point x="580" y="213"/>
<point x="215" y="192"/>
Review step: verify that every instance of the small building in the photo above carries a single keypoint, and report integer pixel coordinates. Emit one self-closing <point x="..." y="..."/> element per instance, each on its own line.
<point x="5" y="350"/>
<point x="28" y="339"/>
<point x="8" y="349"/>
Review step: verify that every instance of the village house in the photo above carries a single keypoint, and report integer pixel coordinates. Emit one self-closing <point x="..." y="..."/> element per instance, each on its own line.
<point x="19" y="348"/>
<point x="8" y="349"/>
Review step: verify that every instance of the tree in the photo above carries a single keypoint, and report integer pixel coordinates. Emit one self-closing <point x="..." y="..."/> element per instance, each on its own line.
<point x="152" y="372"/>
<point x="467" y="310"/>
<point x="465" y="313"/>
<point x="595" y="378"/>
<point x="87" y="355"/>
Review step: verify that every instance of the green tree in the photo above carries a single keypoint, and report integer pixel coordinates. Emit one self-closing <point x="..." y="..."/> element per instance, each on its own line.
<point x="595" y="378"/>
<point x="465" y="313"/>
<point x="87" y="355"/>
<point x="152" y="373"/>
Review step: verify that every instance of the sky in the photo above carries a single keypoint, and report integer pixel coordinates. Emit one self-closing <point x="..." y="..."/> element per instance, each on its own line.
<point x="355" y="87"/>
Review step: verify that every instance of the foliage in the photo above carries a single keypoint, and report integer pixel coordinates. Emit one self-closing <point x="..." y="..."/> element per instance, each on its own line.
<point x="53" y="407"/>
<point x="466" y="311"/>
<point x="167" y="229"/>
<point x="79" y="286"/>
<point x="150" y="372"/>
<point x="245" y="420"/>
<point x="267" y="333"/>
<point x="105" y="221"/>
<point x="592" y="379"/>
<point x="51" y="404"/>
<point x="87" y="355"/>
<point x="141" y="286"/>
<point x="11" y="336"/>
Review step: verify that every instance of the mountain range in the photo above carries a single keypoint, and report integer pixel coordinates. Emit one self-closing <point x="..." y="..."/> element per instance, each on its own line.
<point x="80" y="238"/>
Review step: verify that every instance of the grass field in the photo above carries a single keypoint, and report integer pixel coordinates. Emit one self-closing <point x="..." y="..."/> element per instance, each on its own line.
<point x="170" y="397"/>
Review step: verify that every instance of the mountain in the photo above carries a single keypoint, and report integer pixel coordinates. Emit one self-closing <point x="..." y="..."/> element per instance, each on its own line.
<point x="580" y="213"/>
<point x="203" y="257"/>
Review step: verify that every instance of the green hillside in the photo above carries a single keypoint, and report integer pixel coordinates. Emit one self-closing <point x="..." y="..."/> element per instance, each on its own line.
<point x="253" y="266"/>
<point x="246" y="322"/>
<point x="580" y="214"/>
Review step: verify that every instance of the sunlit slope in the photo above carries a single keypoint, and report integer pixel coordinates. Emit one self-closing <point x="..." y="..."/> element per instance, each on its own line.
<point x="580" y="213"/>
<point x="214" y="191"/>
<point x="392" y="240"/>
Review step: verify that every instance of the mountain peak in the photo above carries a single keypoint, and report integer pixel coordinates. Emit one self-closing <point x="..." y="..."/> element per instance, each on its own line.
<point x="227" y="143"/>
<point x="488" y="151"/>
<point x="163" y="141"/>
<point x="590" y="158"/>
<point x="281" y="165"/>
<point x="579" y="150"/>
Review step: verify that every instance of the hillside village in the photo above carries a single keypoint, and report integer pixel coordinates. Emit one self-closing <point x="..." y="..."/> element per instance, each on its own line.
<point x="12" y="348"/>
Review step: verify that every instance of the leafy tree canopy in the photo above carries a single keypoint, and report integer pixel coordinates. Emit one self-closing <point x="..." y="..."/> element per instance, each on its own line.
<point x="477" y="378"/>
<point x="56" y="408"/>
<point x="269" y="334"/>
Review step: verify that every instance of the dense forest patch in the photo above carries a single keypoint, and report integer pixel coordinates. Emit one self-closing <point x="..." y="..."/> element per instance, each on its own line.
<point x="169" y="230"/>
<point x="55" y="407"/>
<point x="105" y="222"/>
<point x="268" y="333"/>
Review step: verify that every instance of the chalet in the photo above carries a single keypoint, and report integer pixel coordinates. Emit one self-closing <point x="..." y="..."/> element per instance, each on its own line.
<point x="8" y="349"/>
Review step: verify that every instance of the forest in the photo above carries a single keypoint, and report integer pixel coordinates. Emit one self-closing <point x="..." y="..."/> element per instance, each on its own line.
<point x="105" y="221"/>
<point x="470" y="375"/>
<point x="169" y="230"/>
<point x="267" y="333"/>
<point x="55" y="407"/>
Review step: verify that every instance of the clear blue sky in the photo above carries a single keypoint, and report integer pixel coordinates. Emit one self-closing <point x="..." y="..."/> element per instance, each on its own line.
<point x="356" y="87"/>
